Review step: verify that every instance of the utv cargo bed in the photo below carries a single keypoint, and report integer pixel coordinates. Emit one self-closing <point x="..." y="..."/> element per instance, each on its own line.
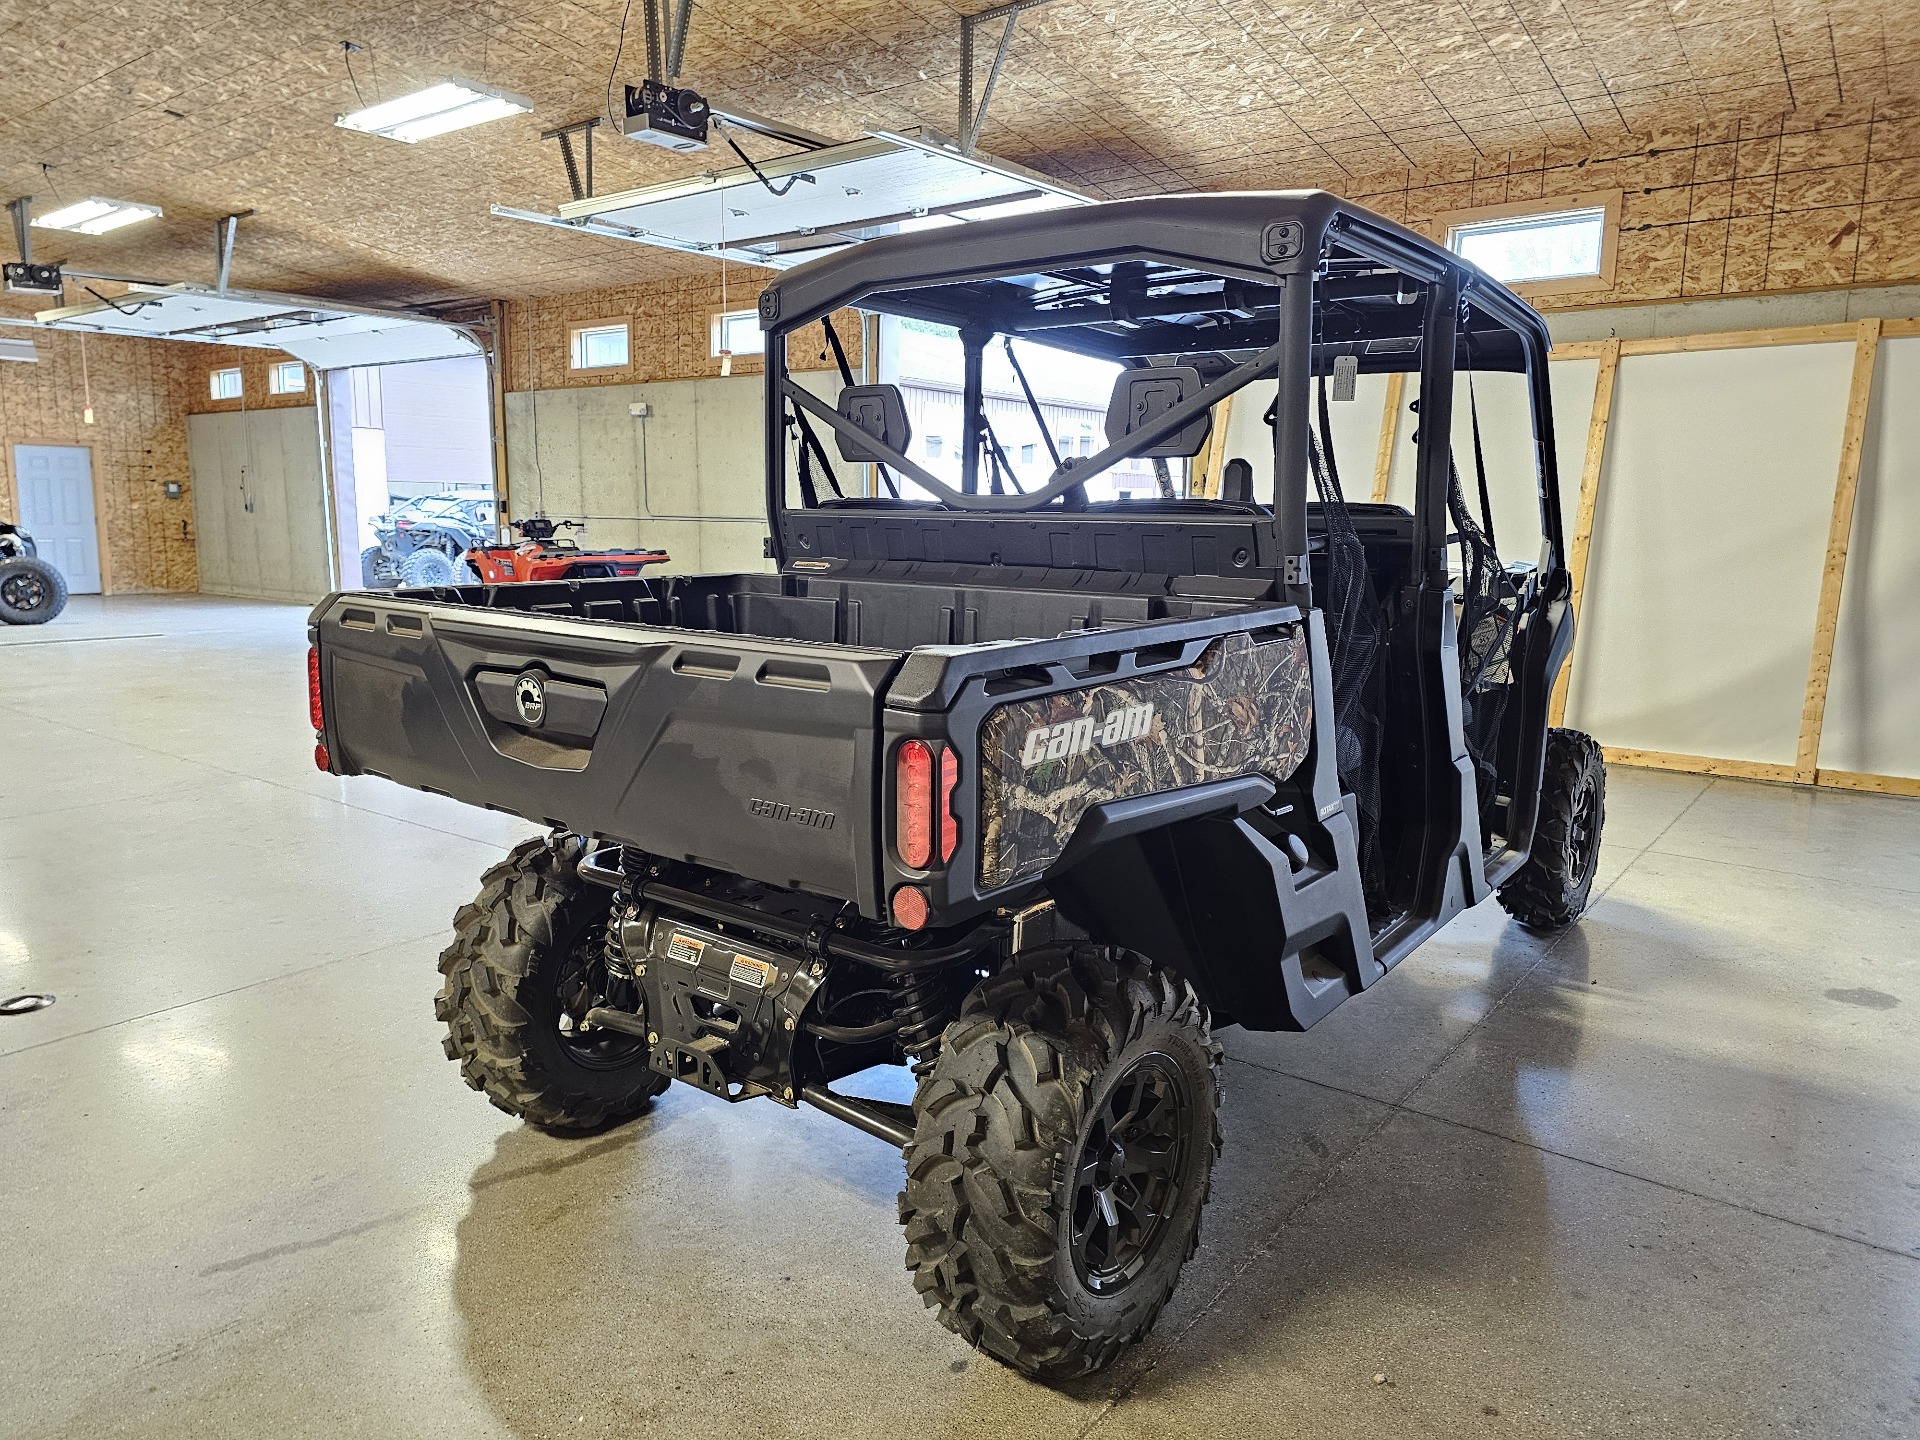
<point x="697" y="718"/>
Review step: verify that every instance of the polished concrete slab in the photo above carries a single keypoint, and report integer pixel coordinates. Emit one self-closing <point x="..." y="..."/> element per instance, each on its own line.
<point x="1657" y="1177"/>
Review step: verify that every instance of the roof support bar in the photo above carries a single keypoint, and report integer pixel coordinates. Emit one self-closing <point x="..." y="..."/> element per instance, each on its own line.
<point x="973" y="119"/>
<point x="564" y="134"/>
<point x="224" y="230"/>
<point x="22" y="212"/>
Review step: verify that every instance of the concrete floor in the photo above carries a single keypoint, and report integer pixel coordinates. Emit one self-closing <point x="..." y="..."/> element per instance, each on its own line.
<point x="1660" y="1177"/>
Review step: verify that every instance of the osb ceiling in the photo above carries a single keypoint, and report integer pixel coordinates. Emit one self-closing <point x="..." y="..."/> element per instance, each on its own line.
<point x="207" y="107"/>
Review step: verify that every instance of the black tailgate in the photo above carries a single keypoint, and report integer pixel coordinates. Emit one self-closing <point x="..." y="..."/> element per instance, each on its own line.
<point x="750" y="755"/>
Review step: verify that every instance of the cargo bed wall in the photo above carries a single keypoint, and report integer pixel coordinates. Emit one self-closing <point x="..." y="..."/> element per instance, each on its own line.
<point x="749" y="755"/>
<point x="845" y="612"/>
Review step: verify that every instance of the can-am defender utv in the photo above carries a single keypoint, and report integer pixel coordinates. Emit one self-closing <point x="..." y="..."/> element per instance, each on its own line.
<point x="1015" y="782"/>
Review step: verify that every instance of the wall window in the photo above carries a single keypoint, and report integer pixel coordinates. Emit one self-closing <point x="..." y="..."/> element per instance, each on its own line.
<point x="600" y="347"/>
<point x="738" y="332"/>
<point x="289" y="377"/>
<point x="1540" y="246"/>
<point x="1026" y="454"/>
<point x="224" y="384"/>
<point x="934" y="444"/>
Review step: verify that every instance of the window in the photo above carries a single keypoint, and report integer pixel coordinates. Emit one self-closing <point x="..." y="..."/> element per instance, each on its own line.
<point x="600" y="347"/>
<point x="1569" y="247"/>
<point x="289" y="377"/>
<point x="933" y="447"/>
<point x="1026" y="454"/>
<point x="738" y="332"/>
<point x="224" y="384"/>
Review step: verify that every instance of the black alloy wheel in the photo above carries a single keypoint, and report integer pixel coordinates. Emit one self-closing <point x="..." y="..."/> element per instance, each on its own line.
<point x="1128" y="1179"/>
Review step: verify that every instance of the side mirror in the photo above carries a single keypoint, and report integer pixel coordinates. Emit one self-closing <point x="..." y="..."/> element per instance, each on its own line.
<point x="1142" y="396"/>
<point x="878" y="410"/>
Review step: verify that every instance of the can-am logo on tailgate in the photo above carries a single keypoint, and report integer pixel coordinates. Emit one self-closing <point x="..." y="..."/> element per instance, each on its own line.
<point x="1076" y="737"/>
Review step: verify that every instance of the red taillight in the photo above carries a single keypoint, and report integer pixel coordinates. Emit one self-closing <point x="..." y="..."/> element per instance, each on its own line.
<point x="314" y="712"/>
<point x="322" y="760"/>
<point x="913" y="803"/>
<point x="949" y="822"/>
<point x="909" y="908"/>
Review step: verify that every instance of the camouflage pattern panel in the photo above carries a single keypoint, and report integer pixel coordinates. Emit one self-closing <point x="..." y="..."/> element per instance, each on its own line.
<point x="1241" y="708"/>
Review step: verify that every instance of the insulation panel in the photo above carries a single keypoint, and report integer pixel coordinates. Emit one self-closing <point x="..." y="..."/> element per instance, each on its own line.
<point x="1873" y="702"/>
<point x="1709" y="538"/>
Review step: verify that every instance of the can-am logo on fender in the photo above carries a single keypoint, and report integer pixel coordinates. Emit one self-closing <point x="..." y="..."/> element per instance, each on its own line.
<point x="1076" y="737"/>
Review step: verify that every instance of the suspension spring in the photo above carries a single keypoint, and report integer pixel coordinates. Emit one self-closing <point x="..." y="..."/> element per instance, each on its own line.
<point x="919" y="1007"/>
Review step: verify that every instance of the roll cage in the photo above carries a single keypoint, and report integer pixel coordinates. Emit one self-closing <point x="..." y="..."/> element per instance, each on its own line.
<point x="1239" y="287"/>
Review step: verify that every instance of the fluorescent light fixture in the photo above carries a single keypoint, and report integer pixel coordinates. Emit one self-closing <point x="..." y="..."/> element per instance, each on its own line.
<point x="96" y="216"/>
<point x="434" y="111"/>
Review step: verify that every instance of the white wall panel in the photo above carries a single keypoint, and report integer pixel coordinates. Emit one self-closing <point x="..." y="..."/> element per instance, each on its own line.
<point x="1873" y="702"/>
<point x="1709" y="535"/>
<point x="1356" y="435"/>
<point x="689" y="477"/>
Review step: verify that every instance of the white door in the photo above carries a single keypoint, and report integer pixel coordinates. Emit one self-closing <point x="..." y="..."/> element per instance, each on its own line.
<point x="56" y="508"/>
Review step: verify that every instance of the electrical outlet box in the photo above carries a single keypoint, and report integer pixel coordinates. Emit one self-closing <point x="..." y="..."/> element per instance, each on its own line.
<point x="639" y="409"/>
<point x="173" y="490"/>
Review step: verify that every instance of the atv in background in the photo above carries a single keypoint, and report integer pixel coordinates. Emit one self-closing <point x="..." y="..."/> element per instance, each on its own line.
<point x="422" y="540"/>
<point x="543" y="555"/>
<point x="32" y="592"/>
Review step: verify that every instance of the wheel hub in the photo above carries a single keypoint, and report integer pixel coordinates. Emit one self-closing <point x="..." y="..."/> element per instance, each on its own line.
<point x="25" y="592"/>
<point x="1127" y="1180"/>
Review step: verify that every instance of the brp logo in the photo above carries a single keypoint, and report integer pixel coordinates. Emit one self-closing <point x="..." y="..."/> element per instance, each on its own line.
<point x="530" y="698"/>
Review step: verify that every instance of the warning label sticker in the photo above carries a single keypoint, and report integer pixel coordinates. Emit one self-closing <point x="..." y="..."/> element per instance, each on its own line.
<point x="686" y="948"/>
<point x="757" y="973"/>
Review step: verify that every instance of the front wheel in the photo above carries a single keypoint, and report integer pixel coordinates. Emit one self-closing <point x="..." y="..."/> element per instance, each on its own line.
<point x="32" y="592"/>
<point x="528" y="961"/>
<point x="1551" y="890"/>
<point x="1063" y="1149"/>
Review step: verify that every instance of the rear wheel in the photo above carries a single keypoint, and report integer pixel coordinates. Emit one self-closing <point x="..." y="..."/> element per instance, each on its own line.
<point x="426" y="568"/>
<point x="528" y="961"/>
<point x="1551" y="890"/>
<point x="1062" y="1152"/>
<point x="32" y="592"/>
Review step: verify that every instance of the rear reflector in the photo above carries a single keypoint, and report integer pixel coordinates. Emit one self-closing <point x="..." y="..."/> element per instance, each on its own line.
<point x="949" y="823"/>
<point x="913" y="805"/>
<point x="314" y="712"/>
<point x="909" y="908"/>
<point x="322" y="760"/>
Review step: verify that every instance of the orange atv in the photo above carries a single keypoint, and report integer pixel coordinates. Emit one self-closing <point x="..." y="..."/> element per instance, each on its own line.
<point x="541" y="555"/>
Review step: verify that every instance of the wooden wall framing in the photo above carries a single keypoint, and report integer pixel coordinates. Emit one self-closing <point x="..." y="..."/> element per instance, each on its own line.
<point x="1866" y="336"/>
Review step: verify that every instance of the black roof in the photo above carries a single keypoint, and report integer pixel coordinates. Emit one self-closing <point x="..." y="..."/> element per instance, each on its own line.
<point x="989" y="269"/>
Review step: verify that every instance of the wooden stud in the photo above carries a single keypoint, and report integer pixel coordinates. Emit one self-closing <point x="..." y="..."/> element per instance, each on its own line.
<point x="1875" y="784"/>
<point x="1581" y="541"/>
<point x="1213" y="459"/>
<point x="1866" y="348"/>
<point x="1389" y="433"/>
<point x="1579" y="350"/>
<point x="1740" y="339"/>
<point x="1701" y="764"/>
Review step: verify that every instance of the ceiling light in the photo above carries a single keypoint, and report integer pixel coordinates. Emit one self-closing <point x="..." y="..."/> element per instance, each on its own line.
<point x="434" y="111"/>
<point x="96" y="216"/>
